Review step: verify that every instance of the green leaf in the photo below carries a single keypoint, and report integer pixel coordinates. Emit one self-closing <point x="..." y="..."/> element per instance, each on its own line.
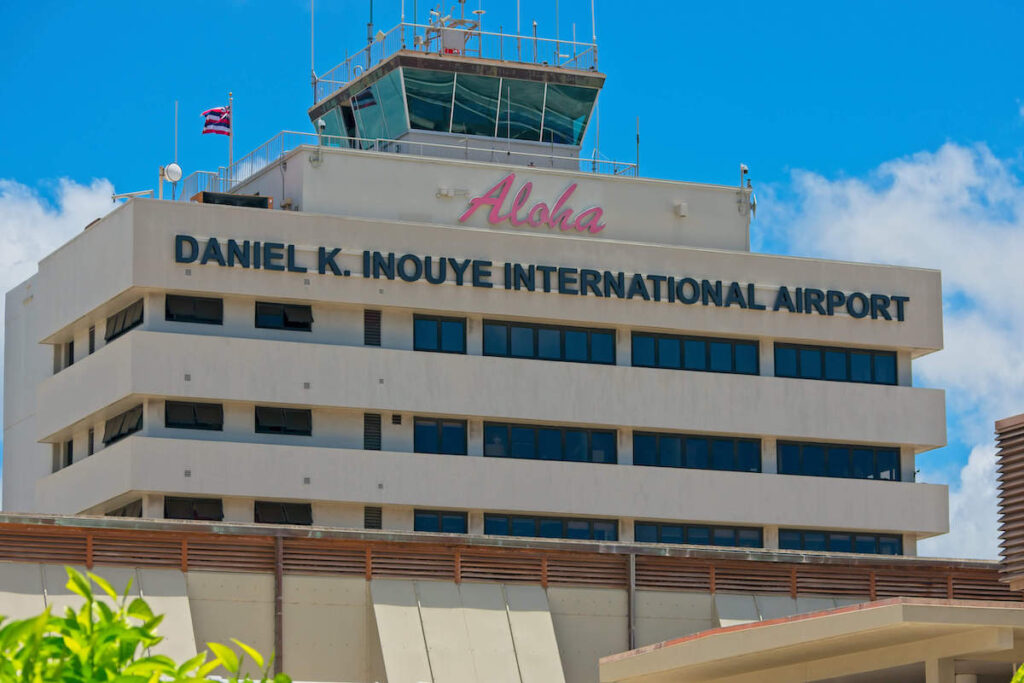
<point x="207" y="668"/>
<point x="282" y="678"/>
<point x="226" y="656"/>
<point x="191" y="665"/>
<point x="77" y="583"/>
<point x="104" y="585"/>
<point x="139" y="609"/>
<point x="256" y="656"/>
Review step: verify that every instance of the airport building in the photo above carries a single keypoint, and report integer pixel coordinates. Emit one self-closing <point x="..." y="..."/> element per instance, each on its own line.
<point x="427" y="363"/>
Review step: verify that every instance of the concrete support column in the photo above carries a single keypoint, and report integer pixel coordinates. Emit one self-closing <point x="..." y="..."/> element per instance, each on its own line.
<point x="625" y="446"/>
<point x="626" y="530"/>
<point x="475" y="522"/>
<point x="966" y="678"/>
<point x="769" y="455"/>
<point x="908" y="463"/>
<point x="910" y="545"/>
<point x="904" y="369"/>
<point x="771" y="537"/>
<point x="766" y="358"/>
<point x="239" y="510"/>
<point x="474" y="336"/>
<point x="475" y="438"/>
<point x="153" y="506"/>
<point x="623" y="347"/>
<point x="939" y="671"/>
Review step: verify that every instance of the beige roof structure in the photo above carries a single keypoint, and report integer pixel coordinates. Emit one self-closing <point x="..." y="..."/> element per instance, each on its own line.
<point x="908" y="640"/>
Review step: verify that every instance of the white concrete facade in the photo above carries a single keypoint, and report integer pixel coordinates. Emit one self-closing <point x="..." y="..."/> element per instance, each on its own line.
<point x="359" y="201"/>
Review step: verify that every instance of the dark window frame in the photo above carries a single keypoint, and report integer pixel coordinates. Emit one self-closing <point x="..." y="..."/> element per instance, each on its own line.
<point x="284" y="429"/>
<point x="563" y="430"/>
<point x="848" y="352"/>
<point x="710" y="439"/>
<point x="125" y="320"/>
<point x="539" y="519"/>
<point x="193" y="317"/>
<point x="123" y="425"/>
<point x="196" y="422"/>
<point x="438" y="421"/>
<point x="301" y="519"/>
<point x="193" y="502"/>
<point x="707" y="341"/>
<point x="561" y="329"/>
<point x="878" y="538"/>
<point x="129" y="509"/>
<point x="440" y="514"/>
<point x="876" y="476"/>
<point x="284" y="309"/>
<point x="710" y="528"/>
<point x="438" y="320"/>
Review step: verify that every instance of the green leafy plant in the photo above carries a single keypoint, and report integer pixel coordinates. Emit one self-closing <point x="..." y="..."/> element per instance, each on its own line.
<point x="1019" y="676"/>
<point x="108" y="641"/>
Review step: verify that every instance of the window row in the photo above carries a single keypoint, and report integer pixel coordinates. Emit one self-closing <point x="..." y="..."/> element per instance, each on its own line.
<point x="695" y="353"/>
<point x="549" y="443"/>
<point x="535" y="526"/>
<point x="698" y="534"/>
<point x="697" y="452"/>
<point x="840" y="542"/>
<point x="549" y="342"/>
<point x="542" y="526"/>
<point x="835" y="364"/>
<point x="831" y="460"/>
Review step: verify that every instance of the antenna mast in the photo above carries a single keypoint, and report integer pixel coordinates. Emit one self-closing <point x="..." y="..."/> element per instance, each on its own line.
<point x="312" y="51"/>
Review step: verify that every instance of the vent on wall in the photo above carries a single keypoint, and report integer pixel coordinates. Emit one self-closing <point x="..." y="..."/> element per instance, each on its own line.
<point x="371" y="431"/>
<point x="372" y="517"/>
<point x="371" y="327"/>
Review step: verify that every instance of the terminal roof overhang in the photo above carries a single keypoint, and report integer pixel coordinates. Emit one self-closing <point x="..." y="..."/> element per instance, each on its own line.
<point x="464" y="65"/>
<point x="873" y="636"/>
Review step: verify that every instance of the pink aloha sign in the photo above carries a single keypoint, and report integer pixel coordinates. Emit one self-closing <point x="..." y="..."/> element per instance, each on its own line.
<point x="559" y="216"/>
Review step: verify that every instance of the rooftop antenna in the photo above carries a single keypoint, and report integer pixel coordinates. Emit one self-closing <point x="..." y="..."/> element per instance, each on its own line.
<point x="312" y="52"/>
<point x="638" y="146"/>
<point x="369" y="30"/>
<point x="174" y="183"/>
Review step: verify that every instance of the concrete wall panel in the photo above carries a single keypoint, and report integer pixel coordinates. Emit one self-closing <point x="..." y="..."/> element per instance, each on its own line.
<point x="396" y="609"/>
<point x="590" y="623"/>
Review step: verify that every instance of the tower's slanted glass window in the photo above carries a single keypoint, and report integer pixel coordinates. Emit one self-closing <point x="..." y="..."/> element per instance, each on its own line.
<point x="429" y="95"/>
<point x="835" y="364"/>
<point x="211" y="509"/>
<point x="126" y="319"/>
<point x="194" y="309"/>
<point x="566" y="110"/>
<point x="549" y="342"/>
<point x="379" y="110"/>
<point x="274" y="512"/>
<point x="697" y="452"/>
<point x="695" y="353"/>
<point x="840" y="542"/>
<point x="536" y="526"/>
<point x="540" y="442"/>
<point x="432" y="333"/>
<point x="272" y="420"/>
<point x="839" y="460"/>
<point x="120" y="426"/>
<point x="440" y="521"/>
<point x="436" y="435"/>
<point x="476" y="105"/>
<point x="182" y="415"/>
<point x="698" y="534"/>
<point x="273" y="316"/>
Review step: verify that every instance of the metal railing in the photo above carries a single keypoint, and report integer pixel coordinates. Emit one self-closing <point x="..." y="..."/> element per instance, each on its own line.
<point x="565" y="54"/>
<point x="226" y="178"/>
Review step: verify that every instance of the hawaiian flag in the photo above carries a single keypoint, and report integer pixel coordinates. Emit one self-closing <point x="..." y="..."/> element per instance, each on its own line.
<point x="217" y="120"/>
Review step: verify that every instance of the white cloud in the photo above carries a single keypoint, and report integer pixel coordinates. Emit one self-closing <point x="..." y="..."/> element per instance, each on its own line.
<point x="961" y="210"/>
<point x="31" y="227"/>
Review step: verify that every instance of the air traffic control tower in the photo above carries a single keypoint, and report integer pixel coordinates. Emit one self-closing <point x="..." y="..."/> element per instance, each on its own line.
<point x="436" y="95"/>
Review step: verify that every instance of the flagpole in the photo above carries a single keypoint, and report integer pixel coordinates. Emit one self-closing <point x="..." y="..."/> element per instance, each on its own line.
<point x="231" y="132"/>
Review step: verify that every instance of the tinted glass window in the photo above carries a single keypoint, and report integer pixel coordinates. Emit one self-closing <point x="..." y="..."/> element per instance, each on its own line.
<point x="495" y="525"/>
<point x="838" y="461"/>
<point x="840" y="542"/>
<point x="522" y="341"/>
<point x="697" y="453"/>
<point x="748" y="456"/>
<point x="646" y="533"/>
<point x="885" y="368"/>
<point x="746" y="358"/>
<point x="549" y="443"/>
<point x="284" y="316"/>
<point x="425" y="334"/>
<point x="721" y="454"/>
<point x="814" y="540"/>
<point x="602" y="447"/>
<point x="191" y="309"/>
<point x="549" y="344"/>
<point x="790" y="540"/>
<point x="721" y="356"/>
<point x="789" y="459"/>
<point x="888" y="464"/>
<point x="495" y="339"/>
<point x="859" y="462"/>
<point x="860" y="366"/>
<point x="551" y="527"/>
<point x="575" y="345"/>
<point x="814" y="461"/>
<point x="495" y="441"/>
<point x="575" y="445"/>
<point x="272" y="512"/>
<point x="643" y="350"/>
<point x="645" y="450"/>
<point x="835" y="365"/>
<point x="863" y="463"/>
<point x="476" y="105"/>
<point x="810" y="363"/>
<point x="785" y="361"/>
<point x="670" y="451"/>
<point x="602" y="347"/>
<point x="439" y="436"/>
<point x="522" y="442"/>
<point x="429" y="98"/>
<point x="695" y="355"/>
<point x="670" y="353"/>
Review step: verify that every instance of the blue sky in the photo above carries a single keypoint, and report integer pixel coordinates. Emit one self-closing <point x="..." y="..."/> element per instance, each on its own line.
<point x="912" y="111"/>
